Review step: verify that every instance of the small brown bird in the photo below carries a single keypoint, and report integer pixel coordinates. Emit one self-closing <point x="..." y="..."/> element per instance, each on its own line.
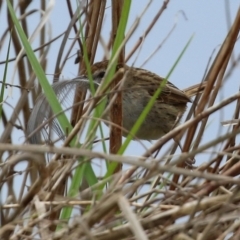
<point x="138" y="88"/>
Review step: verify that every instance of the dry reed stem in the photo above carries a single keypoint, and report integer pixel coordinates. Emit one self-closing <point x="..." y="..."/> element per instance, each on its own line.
<point x="116" y="107"/>
<point x="203" y="204"/>
<point x="218" y="65"/>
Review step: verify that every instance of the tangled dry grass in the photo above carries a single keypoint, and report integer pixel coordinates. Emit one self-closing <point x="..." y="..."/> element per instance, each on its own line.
<point x="158" y="196"/>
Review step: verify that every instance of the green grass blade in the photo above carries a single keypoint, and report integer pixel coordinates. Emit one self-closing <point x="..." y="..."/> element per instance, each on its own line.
<point x="146" y="110"/>
<point x="49" y="93"/>
<point x="149" y="106"/>
<point x="4" y="77"/>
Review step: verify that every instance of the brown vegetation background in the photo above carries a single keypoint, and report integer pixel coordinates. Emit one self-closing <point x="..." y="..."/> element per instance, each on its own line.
<point x="157" y="195"/>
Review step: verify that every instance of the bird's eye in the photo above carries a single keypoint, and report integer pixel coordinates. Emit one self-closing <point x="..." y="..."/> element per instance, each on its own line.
<point x="101" y="74"/>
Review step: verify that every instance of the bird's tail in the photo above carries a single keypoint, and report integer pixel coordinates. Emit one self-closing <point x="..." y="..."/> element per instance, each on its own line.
<point x="195" y="89"/>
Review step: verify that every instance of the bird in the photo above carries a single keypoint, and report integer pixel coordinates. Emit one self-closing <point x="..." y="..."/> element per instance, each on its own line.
<point x="139" y="85"/>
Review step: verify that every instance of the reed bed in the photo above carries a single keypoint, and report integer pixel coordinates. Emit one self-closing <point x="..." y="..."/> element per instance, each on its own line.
<point x="59" y="193"/>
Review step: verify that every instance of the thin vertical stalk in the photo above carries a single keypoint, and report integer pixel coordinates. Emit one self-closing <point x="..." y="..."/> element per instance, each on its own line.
<point x="116" y="108"/>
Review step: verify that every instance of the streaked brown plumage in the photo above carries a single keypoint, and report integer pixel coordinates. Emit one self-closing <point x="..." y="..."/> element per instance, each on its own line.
<point x="138" y="88"/>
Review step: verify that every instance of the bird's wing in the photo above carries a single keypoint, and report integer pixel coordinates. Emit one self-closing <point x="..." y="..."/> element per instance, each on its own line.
<point x="169" y="92"/>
